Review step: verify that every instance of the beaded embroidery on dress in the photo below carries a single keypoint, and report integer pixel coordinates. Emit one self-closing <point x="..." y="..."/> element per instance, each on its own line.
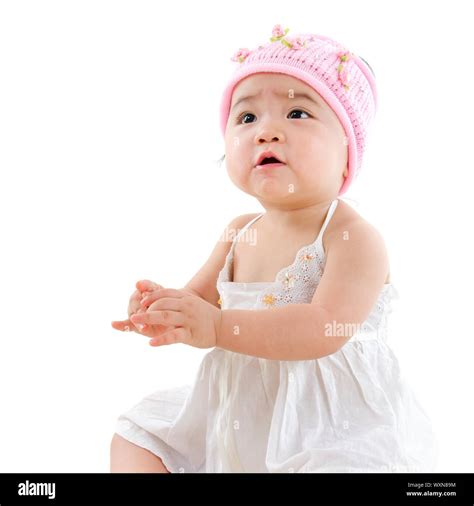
<point x="350" y="411"/>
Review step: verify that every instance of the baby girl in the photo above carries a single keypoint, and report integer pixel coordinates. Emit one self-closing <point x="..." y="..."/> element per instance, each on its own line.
<point x="300" y="377"/>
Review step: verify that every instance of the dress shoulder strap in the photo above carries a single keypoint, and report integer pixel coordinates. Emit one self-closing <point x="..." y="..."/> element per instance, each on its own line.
<point x="243" y="229"/>
<point x="329" y="214"/>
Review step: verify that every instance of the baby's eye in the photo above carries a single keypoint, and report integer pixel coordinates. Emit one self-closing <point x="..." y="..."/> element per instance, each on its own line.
<point x="244" y="115"/>
<point x="299" y="110"/>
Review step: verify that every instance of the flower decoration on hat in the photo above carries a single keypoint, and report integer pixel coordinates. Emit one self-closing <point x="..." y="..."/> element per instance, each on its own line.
<point x="278" y="34"/>
<point x="344" y="56"/>
<point x="241" y="54"/>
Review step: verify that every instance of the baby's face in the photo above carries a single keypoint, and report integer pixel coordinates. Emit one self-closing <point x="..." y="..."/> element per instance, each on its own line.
<point x="305" y="134"/>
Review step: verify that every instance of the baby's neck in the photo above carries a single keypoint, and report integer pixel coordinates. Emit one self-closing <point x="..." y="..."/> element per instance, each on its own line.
<point x="280" y="218"/>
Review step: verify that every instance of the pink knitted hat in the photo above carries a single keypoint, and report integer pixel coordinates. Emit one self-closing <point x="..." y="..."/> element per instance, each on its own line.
<point x="344" y="80"/>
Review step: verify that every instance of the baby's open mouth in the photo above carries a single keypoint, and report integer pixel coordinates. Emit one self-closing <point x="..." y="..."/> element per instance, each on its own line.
<point x="272" y="159"/>
<point x="269" y="162"/>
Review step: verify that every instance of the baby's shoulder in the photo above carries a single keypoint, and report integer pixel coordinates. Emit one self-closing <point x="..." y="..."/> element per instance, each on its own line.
<point x="347" y="224"/>
<point x="243" y="219"/>
<point x="344" y="216"/>
<point x="345" y="219"/>
<point x="240" y="221"/>
<point x="234" y="227"/>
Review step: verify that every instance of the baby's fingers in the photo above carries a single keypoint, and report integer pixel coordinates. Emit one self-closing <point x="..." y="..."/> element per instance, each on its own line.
<point x="145" y="285"/>
<point x="127" y="326"/>
<point x="124" y="325"/>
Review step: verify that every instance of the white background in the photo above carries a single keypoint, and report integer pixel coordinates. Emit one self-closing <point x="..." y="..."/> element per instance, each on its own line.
<point x="109" y="142"/>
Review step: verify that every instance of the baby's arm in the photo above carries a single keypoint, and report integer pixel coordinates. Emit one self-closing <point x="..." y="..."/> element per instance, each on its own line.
<point x="354" y="274"/>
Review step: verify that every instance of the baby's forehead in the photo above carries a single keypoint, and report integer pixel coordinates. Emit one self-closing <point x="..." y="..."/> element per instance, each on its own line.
<point x="282" y="87"/>
<point x="279" y="86"/>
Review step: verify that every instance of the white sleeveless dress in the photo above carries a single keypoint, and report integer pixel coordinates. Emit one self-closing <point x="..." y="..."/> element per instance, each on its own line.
<point x="351" y="411"/>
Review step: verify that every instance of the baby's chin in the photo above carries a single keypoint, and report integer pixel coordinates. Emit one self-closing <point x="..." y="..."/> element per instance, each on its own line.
<point x="283" y="187"/>
<point x="272" y="188"/>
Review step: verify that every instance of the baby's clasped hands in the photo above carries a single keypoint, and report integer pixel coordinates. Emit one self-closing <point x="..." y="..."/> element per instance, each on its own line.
<point x="195" y="321"/>
<point x="143" y="288"/>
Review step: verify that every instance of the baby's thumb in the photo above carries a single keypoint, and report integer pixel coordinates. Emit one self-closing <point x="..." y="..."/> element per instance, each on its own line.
<point x="146" y="284"/>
